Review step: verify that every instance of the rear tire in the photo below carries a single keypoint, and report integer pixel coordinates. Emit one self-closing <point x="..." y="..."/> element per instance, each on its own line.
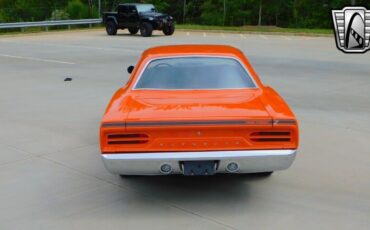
<point x="111" y="28"/>
<point x="133" y="30"/>
<point x="123" y="176"/>
<point x="263" y="174"/>
<point x="169" y="30"/>
<point x="146" y="29"/>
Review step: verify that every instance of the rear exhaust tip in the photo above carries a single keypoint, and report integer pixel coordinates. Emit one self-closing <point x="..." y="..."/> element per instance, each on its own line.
<point x="165" y="168"/>
<point x="232" y="167"/>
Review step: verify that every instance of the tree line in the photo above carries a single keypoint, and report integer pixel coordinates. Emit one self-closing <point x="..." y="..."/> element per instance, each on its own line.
<point x="282" y="13"/>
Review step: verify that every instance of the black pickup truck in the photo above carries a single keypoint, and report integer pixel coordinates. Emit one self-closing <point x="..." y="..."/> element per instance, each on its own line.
<point x="135" y="17"/>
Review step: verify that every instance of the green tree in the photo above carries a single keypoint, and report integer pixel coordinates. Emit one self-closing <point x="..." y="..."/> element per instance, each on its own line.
<point x="284" y="13"/>
<point x="211" y="13"/>
<point x="77" y="10"/>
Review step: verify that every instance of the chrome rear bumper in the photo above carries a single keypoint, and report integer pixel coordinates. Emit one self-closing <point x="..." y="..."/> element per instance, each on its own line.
<point x="248" y="161"/>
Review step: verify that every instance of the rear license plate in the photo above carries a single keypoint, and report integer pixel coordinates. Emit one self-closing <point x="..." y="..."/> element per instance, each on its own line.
<point x="199" y="168"/>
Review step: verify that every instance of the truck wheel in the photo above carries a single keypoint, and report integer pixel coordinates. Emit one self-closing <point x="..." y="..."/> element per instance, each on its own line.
<point x="146" y="29"/>
<point x="169" y="30"/>
<point x="111" y="28"/>
<point x="133" y="30"/>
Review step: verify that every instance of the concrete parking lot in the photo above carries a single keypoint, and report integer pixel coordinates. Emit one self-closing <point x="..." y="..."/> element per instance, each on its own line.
<point x="51" y="175"/>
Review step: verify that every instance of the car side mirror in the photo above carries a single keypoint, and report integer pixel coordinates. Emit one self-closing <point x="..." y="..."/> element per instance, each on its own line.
<point x="130" y="69"/>
<point x="133" y="11"/>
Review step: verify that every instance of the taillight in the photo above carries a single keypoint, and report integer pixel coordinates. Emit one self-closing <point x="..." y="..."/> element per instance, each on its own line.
<point x="127" y="139"/>
<point x="271" y="136"/>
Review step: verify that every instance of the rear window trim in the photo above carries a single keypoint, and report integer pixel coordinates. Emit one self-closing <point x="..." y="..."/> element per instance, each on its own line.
<point x="187" y="56"/>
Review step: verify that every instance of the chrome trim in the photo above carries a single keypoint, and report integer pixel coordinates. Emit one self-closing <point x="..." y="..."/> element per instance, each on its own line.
<point x="188" y="123"/>
<point x="249" y="161"/>
<point x="185" y="123"/>
<point x="114" y="124"/>
<point x="284" y="122"/>
<point x="186" y="56"/>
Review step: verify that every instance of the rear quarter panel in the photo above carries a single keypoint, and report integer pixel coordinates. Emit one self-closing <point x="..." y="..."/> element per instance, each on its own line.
<point x="279" y="110"/>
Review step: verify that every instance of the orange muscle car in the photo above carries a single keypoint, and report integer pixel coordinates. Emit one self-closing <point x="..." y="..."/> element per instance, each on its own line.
<point x="196" y="110"/>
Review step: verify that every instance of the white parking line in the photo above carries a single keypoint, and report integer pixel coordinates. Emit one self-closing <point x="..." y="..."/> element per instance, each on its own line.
<point x="187" y="34"/>
<point x="263" y="37"/>
<point x="75" y="46"/>
<point x="37" y="59"/>
<point x="204" y="35"/>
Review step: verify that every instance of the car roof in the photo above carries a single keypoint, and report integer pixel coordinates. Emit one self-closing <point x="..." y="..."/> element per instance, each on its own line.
<point x="172" y="50"/>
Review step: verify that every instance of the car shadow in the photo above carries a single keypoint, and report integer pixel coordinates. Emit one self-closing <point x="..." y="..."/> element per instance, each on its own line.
<point x="219" y="190"/>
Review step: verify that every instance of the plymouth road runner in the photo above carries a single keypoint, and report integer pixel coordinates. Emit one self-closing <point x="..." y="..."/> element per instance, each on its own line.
<point x="196" y="110"/>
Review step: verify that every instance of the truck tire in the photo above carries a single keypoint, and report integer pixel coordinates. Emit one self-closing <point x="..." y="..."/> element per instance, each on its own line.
<point x="146" y="29"/>
<point x="133" y="30"/>
<point x="111" y="28"/>
<point x="169" y="30"/>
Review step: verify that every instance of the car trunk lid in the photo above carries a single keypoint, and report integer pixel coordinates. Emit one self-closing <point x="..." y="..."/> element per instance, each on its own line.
<point x="177" y="107"/>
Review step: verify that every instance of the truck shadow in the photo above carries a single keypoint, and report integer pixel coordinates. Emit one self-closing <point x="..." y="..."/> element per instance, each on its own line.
<point x="138" y="35"/>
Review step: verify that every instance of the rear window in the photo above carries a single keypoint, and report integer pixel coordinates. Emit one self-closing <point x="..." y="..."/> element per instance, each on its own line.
<point x="195" y="73"/>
